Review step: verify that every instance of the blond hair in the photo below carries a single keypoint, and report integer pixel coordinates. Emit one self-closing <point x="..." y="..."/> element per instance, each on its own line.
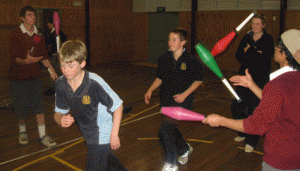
<point x="73" y="50"/>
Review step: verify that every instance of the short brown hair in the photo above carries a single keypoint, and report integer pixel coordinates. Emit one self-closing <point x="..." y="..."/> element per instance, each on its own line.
<point x="181" y="32"/>
<point x="73" y="50"/>
<point x="25" y="9"/>
<point x="261" y="17"/>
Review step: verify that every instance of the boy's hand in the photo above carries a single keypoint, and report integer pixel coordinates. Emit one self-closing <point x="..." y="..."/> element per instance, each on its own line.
<point x="213" y="120"/>
<point x="115" y="142"/>
<point x="66" y="120"/>
<point x="179" y="98"/>
<point x="148" y="97"/>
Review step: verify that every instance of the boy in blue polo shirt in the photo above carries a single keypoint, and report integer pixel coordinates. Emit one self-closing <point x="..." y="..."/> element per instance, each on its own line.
<point x="96" y="108"/>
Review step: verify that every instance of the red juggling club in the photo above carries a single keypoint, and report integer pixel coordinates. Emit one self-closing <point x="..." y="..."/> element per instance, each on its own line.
<point x="182" y="114"/>
<point x="56" y="23"/>
<point x="222" y="44"/>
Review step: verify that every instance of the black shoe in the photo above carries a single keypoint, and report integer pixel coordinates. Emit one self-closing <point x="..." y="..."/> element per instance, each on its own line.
<point x="49" y="92"/>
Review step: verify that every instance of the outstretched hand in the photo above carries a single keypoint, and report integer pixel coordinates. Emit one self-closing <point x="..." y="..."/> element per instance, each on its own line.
<point x="213" y="120"/>
<point x="242" y="80"/>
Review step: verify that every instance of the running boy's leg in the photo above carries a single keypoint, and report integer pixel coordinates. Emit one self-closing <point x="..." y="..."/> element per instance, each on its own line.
<point x="100" y="158"/>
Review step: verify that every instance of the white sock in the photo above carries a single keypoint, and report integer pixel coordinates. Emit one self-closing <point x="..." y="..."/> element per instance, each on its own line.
<point x="42" y="130"/>
<point x="22" y="127"/>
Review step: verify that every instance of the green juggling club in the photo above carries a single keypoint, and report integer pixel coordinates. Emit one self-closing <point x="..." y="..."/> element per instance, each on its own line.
<point x="210" y="62"/>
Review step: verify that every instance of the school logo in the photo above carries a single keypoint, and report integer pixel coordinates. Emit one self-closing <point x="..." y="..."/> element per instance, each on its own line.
<point x="183" y="66"/>
<point x="86" y="99"/>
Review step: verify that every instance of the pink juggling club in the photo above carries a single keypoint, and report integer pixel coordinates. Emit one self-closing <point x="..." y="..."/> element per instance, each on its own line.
<point x="182" y="114"/>
<point x="222" y="44"/>
<point x="56" y="23"/>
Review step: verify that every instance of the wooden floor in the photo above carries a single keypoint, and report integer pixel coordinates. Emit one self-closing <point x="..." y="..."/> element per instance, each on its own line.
<point x="214" y="148"/>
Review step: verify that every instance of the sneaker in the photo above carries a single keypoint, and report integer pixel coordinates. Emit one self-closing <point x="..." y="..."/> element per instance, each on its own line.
<point x="166" y="167"/>
<point x="170" y="167"/>
<point x="47" y="141"/>
<point x="173" y="168"/>
<point x="23" y="138"/>
<point x="249" y="148"/>
<point x="239" y="139"/>
<point x="185" y="157"/>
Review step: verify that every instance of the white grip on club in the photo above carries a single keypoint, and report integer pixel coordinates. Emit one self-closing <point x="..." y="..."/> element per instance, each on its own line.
<point x="245" y="21"/>
<point x="49" y="70"/>
<point x="231" y="89"/>
<point x="57" y="43"/>
<point x="31" y="50"/>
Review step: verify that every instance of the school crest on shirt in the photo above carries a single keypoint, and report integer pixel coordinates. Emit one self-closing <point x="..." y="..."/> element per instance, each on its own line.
<point x="86" y="99"/>
<point x="183" y="66"/>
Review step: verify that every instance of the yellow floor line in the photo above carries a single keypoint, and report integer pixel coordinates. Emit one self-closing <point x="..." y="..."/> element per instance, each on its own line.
<point x="79" y="141"/>
<point x="27" y="164"/>
<point x="201" y="141"/>
<point x="63" y="149"/>
<point x="140" y="118"/>
<point x="140" y="113"/>
<point x="65" y="163"/>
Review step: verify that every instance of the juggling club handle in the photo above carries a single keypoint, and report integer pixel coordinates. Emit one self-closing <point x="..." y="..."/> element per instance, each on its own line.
<point x="57" y="43"/>
<point x="245" y="21"/>
<point x="231" y="89"/>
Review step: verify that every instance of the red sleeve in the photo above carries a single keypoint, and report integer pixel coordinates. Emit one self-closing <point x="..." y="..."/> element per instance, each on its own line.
<point x="266" y="112"/>
<point x="15" y="49"/>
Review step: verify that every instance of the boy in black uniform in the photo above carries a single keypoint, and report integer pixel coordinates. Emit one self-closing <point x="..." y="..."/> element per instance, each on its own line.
<point x="179" y="74"/>
<point x="96" y="108"/>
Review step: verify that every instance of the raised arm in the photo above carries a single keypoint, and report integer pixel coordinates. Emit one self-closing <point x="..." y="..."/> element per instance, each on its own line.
<point x="215" y="120"/>
<point x="247" y="81"/>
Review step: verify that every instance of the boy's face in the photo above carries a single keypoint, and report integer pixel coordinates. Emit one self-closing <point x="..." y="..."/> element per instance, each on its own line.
<point x="71" y="70"/>
<point x="174" y="42"/>
<point x="50" y="26"/>
<point x="29" y="18"/>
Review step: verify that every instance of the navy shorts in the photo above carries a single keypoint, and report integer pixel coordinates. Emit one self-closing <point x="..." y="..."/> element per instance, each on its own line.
<point x="101" y="158"/>
<point x="27" y="95"/>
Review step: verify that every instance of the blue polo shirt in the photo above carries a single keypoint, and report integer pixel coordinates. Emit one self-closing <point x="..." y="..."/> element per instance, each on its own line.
<point x="92" y="106"/>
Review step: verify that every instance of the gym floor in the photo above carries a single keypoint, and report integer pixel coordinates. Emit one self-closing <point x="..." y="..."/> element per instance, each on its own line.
<point x="214" y="148"/>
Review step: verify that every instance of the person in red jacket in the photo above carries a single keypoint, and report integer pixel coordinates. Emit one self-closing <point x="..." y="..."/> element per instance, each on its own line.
<point x="277" y="115"/>
<point x="27" y="49"/>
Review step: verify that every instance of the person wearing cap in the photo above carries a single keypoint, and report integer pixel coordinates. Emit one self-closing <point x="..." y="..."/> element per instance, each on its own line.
<point x="277" y="115"/>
